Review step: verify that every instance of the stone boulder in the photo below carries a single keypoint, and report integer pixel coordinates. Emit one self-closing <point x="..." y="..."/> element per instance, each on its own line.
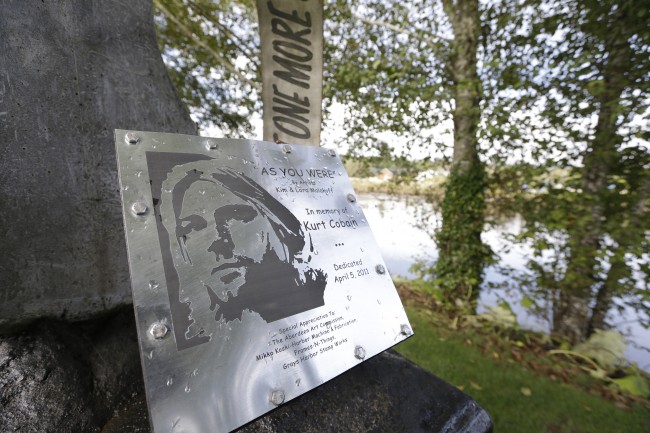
<point x="387" y="393"/>
<point x="87" y="377"/>
<point x="62" y="377"/>
<point x="71" y="72"/>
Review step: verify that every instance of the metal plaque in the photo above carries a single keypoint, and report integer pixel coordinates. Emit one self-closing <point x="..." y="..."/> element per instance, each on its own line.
<point x="255" y="275"/>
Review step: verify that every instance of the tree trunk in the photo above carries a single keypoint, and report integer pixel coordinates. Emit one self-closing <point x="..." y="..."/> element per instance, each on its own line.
<point x="618" y="268"/>
<point x="462" y="254"/>
<point x="606" y="292"/>
<point x="571" y="311"/>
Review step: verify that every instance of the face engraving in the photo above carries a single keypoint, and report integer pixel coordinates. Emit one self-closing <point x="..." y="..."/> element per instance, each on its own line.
<point x="232" y="247"/>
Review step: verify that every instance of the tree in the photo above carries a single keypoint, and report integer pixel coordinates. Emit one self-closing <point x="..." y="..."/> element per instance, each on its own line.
<point x="387" y="76"/>
<point x="462" y="253"/>
<point x="592" y="82"/>
<point x="211" y="52"/>
<point x="416" y="66"/>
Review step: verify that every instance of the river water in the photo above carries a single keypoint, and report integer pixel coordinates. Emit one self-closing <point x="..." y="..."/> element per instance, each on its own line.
<point x="402" y="227"/>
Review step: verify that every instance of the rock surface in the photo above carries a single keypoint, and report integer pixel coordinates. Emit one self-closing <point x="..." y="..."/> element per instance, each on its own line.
<point x="385" y="394"/>
<point x="87" y="377"/>
<point x="72" y="71"/>
<point x="59" y="377"/>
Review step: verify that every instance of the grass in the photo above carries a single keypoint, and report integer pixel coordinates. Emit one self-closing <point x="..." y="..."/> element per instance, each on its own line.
<point x="517" y="398"/>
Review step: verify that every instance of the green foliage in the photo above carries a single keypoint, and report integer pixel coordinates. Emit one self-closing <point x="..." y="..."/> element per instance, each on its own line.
<point x="211" y="52"/>
<point x="602" y="366"/>
<point x="562" y="84"/>
<point x="527" y="302"/>
<point x="384" y="63"/>
<point x="501" y="315"/>
<point x="634" y="384"/>
<point x="458" y="271"/>
<point x="605" y="347"/>
<point x="415" y="67"/>
<point x="356" y="167"/>
<point x="389" y="64"/>
<point x="585" y="68"/>
<point x="595" y="370"/>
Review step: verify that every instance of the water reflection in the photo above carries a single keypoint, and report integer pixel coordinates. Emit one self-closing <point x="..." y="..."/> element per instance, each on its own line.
<point x="403" y="225"/>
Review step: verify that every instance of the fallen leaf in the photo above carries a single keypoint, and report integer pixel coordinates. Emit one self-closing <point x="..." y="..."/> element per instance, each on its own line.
<point x="476" y="386"/>
<point x="634" y="384"/>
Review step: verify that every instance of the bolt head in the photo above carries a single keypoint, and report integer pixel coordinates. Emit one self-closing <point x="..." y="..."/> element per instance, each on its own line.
<point x="139" y="208"/>
<point x="286" y="148"/>
<point x="380" y="269"/>
<point x="211" y="144"/>
<point x="277" y="397"/>
<point x="158" y="330"/>
<point x="351" y="198"/>
<point x="405" y="329"/>
<point x="359" y="352"/>
<point x="131" y="138"/>
<point x="331" y="152"/>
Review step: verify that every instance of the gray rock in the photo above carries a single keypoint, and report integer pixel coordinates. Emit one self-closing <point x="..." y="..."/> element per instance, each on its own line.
<point x="387" y="393"/>
<point x="86" y="377"/>
<point x="71" y="72"/>
<point x="59" y="377"/>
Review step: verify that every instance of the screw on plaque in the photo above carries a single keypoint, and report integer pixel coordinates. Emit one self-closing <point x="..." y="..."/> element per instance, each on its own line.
<point x="380" y="269"/>
<point x="131" y="138"/>
<point x="139" y="208"/>
<point x="405" y="329"/>
<point x="359" y="352"/>
<point x="331" y="152"/>
<point x="286" y="148"/>
<point x="351" y="198"/>
<point x="277" y="397"/>
<point x="211" y="144"/>
<point x="158" y="330"/>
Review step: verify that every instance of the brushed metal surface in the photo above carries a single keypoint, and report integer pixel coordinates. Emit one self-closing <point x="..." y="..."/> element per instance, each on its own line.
<point x="254" y="277"/>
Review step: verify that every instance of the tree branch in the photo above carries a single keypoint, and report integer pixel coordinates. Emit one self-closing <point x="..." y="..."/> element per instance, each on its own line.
<point x="427" y="40"/>
<point x="218" y="57"/>
<point x="241" y="45"/>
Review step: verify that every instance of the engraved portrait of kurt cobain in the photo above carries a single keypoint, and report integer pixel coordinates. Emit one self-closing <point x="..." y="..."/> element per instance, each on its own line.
<point x="227" y="246"/>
